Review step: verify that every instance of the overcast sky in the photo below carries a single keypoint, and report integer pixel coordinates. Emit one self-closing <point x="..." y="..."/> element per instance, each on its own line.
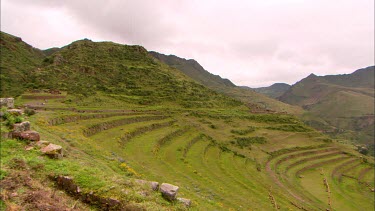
<point x="251" y="42"/>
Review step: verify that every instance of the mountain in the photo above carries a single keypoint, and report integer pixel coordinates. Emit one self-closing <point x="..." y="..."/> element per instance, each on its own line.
<point x="110" y="68"/>
<point x="194" y="70"/>
<point x="274" y="91"/>
<point x="258" y="102"/>
<point x="342" y="105"/>
<point x="138" y="134"/>
<point x="18" y="63"/>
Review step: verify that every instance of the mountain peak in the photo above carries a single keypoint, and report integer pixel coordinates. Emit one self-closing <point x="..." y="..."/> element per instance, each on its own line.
<point x="312" y="75"/>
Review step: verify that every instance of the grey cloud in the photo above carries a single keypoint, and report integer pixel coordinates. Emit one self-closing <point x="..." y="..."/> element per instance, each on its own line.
<point x="253" y="43"/>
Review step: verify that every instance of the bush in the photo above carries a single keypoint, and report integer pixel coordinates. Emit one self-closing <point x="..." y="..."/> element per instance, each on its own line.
<point x="11" y="120"/>
<point x="213" y="126"/>
<point x="290" y="128"/>
<point x="3" y="174"/>
<point x="18" y="119"/>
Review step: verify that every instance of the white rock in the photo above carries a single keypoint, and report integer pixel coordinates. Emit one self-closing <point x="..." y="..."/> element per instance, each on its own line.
<point x="169" y="191"/>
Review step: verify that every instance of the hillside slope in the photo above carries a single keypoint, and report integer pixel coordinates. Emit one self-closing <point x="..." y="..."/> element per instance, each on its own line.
<point x="18" y="63"/>
<point x="258" y="102"/>
<point x="109" y="68"/>
<point x="342" y="105"/>
<point x="274" y="91"/>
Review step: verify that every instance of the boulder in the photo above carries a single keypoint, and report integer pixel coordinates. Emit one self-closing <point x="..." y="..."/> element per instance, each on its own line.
<point x="7" y="102"/>
<point x="168" y="191"/>
<point x="153" y="185"/>
<point x="20" y="127"/>
<point x="186" y="202"/>
<point x="53" y="151"/>
<point x="42" y="144"/>
<point x="27" y="135"/>
<point x="16" y="112"/>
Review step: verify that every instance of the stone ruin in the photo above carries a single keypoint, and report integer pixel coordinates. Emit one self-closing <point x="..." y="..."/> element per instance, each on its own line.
<point x="7" y="102"/>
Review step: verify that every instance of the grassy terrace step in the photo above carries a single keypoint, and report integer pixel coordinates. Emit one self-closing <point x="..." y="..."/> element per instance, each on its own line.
<point x="356" y="170"/>
<point x="213" y="168"/>
<point x="337" y="171"/>
<point x="201" y="183"/>
<point x="43" y="97"/>
<point x="363" y="172"/>
<point x="303" y="153"/>
<point x="315" y="157"/>
<point x="369" y="178"/>
<point x="312" y="182"/>
<point x="208" y="171"/>
<point x="140" y="156"/>
<point x="139" y="131"/>
<point x="285" y="151"/>
<point x="227" y="165"/>
<point x="319" y="164"/>
<point x="290" y="180"/>
<point x="96" y="128"/>
<point x="256" y="180"/>
<point x="190" y="144"/>
<point x="112" y="138"/>
<point x="163" y="141"/>
<point x="78" y="117"/>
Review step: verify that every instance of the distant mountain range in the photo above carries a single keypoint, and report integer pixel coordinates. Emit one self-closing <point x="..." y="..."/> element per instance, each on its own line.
<point x="256" y="101"/>
<point x="342" y="105"/>
<point x="274" y="91"/>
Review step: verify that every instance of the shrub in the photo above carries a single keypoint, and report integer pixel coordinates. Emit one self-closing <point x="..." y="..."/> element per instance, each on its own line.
<point x="3" y="174"/>
<point x="213" y="126"/>
<point x="18" y="119"/>
<point x="290" y="128"/>
<point x="10" y="120"/>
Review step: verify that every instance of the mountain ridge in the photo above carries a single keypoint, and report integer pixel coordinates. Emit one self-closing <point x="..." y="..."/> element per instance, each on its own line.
<point x="337" y="103"/>
<point x="258" y="102"/>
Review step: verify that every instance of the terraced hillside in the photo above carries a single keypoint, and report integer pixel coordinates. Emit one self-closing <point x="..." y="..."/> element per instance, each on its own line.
<point x="220" y="159"/>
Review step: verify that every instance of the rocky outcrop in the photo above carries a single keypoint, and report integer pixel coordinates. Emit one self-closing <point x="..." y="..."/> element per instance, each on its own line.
<point x="53" y="151"/>
<point x="7" y="102"/>
<point x="169" y="191"/>
<point x="42" y="144"/>
<point x="186" y="202"/>
<point x="15" y="112"/>
<point x="152" y="184"/>
<point x="21" y="127"/>
<point x="28" y="135"/>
